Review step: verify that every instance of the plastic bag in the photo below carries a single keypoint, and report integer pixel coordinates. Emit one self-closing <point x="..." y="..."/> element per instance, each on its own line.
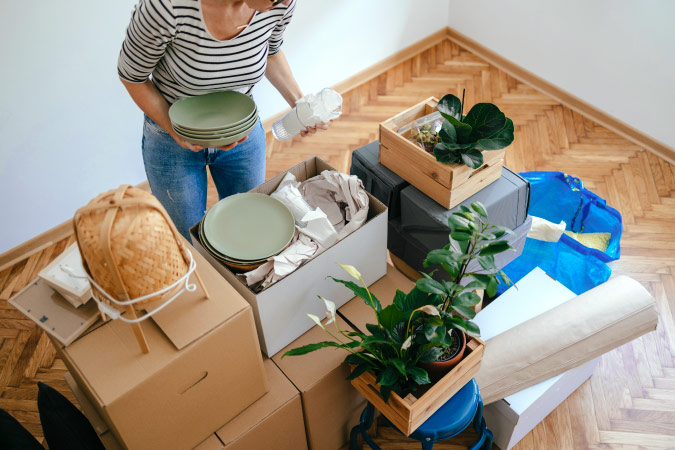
<point x="556" y="196"/>
<point x="425" y="131"/>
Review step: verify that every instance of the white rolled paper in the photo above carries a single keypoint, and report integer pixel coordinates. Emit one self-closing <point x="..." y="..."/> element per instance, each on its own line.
<point x="565" y="337"/>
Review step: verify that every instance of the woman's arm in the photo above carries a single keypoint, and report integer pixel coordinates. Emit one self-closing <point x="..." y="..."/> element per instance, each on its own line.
<point x="280" y="75"/>
<point x="153" y="104"/>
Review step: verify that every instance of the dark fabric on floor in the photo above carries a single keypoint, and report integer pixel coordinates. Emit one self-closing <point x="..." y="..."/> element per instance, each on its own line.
<point x="13" y="436"/>
<point x="64" y="426"/>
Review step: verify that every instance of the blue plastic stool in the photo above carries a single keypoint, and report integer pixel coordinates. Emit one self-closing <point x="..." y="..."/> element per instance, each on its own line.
<point x="465" y="407"/>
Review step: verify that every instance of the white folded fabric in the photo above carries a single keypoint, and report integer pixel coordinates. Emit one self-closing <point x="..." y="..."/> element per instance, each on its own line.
<point x="565" y="337"/>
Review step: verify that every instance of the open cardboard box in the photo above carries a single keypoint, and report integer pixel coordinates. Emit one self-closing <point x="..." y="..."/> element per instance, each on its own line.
<point x="204" y="368"/>
<point x="281" y="310"/>
<point x="511" y="418"/>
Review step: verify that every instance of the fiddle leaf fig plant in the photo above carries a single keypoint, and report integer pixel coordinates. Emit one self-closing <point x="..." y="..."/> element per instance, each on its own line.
<point x="463" y="138"/>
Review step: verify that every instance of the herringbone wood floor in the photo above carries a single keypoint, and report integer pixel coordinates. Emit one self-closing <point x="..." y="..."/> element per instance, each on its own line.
<point x="629" y="403"/>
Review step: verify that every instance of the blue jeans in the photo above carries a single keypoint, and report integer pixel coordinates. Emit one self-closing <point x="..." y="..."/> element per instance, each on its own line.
<point x="177" y="176"/>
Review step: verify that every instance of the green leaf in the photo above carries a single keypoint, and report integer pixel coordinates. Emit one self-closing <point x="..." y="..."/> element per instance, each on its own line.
<point x="415" y="299"/>
<point x="385" y="392"/>
<point x="460" y="236"/>
<point x="374" y="329"/>
<point x="487" y="263"/>
<point x="368" y="298"/>
<point x="440" y="256"/>
<point x="495" y="247"/>
<point x="430" y="355"/>
<point x="399" y="300"/>
<point x="447" y="133"/>
<point x="472" y="158"/>
<point x="435" y="321"/>
<point x="446" y="155"/>
<point x="485" y="119"/>
<point x="390" y="316"/>
<point x="463" y="130"/>
<point x="505" y="278"/>
<point x="487" y="236"/>
<point x="472" y="329"/>
<point x="491" y="288"/>
<point x="429" y="330"/>
<point x="310" y="348"/>
<point x="502" y="138"/>
<point x="476" y="284"/>
<point x="359" y="370"/>
<point x="500" y="231"/>
<point x="458" y="223"/>
<point x="467" y="299"/>
<point x="480" y="209"/>
<point x="450" y="106"/>
<point x="389" y="376"/>
<point x="465" y="311"/>
<point x="400" y="365"/>
<point x="419" y="375"/>
<point x="430" y="286"/>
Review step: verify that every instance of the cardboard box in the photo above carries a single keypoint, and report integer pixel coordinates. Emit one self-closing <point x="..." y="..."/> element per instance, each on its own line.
<point x="331" y="406"/>
<point x="274" y="421"/>
<point x="107" y="437"/>
<point x="384" y="184"/>
<point x="206" y="372"/>
<point x="512" y="418"/>
<point x="281" y="309"/>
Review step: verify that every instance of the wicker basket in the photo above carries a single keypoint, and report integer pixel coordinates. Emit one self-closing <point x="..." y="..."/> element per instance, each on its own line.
<point x="129" y="245"/>
<point x="130" y="248"/>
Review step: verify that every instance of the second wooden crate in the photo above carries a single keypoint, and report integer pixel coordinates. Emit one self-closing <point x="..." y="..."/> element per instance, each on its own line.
<point x="408" y="413"/>
<point x="447" y="184"/>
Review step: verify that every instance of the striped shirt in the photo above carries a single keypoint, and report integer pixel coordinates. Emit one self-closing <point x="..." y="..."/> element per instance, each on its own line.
<point x="168" y="39"/>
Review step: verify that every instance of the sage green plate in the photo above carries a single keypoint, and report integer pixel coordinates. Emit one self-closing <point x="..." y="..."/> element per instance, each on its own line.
<point x="249" y="226"/>
<point x="219" y="256"/>
<point x="219" y="142"/>
<point x="212" y="111"/>
<point x="226" y="129"/>
<point x="216" y="134"/>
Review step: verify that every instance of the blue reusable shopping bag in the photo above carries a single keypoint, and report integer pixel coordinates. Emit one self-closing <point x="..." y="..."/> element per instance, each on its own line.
<point x="556" y="196"/>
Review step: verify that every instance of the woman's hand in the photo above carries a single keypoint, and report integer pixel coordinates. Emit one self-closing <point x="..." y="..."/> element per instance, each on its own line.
<point x="196" y="148"/>
<point x="311" y="130"/>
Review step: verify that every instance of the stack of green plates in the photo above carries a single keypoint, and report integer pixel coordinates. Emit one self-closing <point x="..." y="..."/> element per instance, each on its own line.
<point x="244" y="230"/>
<point x="215" y="119"/>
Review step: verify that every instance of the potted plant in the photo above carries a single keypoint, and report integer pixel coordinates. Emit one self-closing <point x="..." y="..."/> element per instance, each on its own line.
<point x="390" y="351"/>
<point x="471" y="237"/>
<point x="463" y="137"/>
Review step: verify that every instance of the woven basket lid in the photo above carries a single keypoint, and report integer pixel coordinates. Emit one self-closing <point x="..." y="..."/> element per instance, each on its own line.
<point x="129" y="245"/>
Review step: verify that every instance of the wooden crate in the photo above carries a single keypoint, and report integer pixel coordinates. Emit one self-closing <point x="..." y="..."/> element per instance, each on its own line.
<point x="408" y="413"/>
<point x="447" y="184"/>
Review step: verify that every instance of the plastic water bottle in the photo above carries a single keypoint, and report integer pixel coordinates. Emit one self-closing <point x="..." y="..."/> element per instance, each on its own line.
<point x="309" y="110"/>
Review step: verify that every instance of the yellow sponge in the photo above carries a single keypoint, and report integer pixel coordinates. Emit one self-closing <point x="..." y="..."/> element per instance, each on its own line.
<point x="598" y="241"/>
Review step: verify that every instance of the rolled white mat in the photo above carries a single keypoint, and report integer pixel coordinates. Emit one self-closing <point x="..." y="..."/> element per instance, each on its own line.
<point x="565" y="337"/>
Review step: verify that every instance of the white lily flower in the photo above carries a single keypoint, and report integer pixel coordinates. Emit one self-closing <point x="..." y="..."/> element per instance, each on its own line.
<point x="351" y="270"/>
<point x="408" y="342"/>
<point x="430" y="309"/>
<point x="330" y="314"/>
<point x="316" y="319"/>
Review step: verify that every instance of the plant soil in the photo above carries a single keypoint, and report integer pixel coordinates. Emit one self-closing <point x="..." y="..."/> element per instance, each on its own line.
<point x="451" y="351"/>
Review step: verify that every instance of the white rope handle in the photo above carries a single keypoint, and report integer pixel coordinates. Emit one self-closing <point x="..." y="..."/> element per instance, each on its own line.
<point x="115" y="314"/>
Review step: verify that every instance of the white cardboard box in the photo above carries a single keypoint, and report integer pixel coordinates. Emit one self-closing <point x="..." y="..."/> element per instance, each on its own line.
<point x="281" y="310"/>
<point x="512" y="418"/>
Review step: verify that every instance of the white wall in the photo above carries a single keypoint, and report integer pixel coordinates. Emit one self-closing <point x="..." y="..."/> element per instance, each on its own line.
<point x="617" y="55"/>
<point x="68" y="129"/>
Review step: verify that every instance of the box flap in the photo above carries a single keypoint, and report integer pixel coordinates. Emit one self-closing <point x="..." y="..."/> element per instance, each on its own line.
<point x="192" y="315"/>
<point x="281" y="391"/>
<point x="87" y="408"/>
<point x="301" y="171"/>
<point x="53" y="313"/>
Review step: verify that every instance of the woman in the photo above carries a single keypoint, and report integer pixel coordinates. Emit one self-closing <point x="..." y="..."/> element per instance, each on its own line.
<point x="192" y="47"/>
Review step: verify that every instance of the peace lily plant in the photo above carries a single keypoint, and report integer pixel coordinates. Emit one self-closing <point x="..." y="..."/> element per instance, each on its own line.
<point x="462" y="138"/>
